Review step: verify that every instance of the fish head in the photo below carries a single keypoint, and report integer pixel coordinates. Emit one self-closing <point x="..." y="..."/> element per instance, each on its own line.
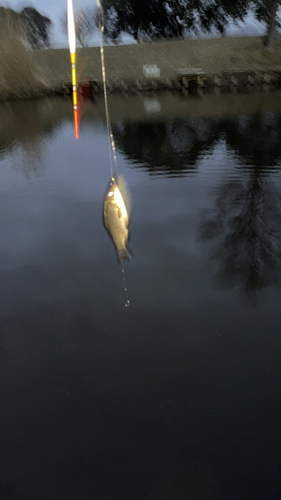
<point x="111" y="192"/>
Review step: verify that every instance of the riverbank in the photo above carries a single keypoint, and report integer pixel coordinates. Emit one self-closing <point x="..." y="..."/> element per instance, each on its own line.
<point x="225" y="62"/>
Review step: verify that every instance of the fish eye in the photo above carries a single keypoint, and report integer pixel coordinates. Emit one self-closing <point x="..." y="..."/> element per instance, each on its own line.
<point x="110" y="194"/>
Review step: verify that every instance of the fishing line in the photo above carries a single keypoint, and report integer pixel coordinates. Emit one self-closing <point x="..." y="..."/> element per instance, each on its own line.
<point x="111" y="142"/>
<point x="127" y="300"/>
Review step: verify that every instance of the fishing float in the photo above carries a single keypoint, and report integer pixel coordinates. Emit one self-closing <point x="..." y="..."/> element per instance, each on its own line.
<point x="72" y="49"/>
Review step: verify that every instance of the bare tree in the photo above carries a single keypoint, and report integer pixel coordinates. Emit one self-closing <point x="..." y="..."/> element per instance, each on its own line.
<point x="85" y="26"/>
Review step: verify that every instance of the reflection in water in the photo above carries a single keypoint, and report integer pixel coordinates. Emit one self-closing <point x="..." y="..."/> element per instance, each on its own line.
<point x="116" y="214"/>
<point x="246" y="222"/>
<point x="164" y="145"/>
<point x="175" y="146"/>
<point x="247" y="225"/>
<point x="256" y="139"/>
<point x="246" y="209"/>
<point x="247" y="217"/>
<point x="169" y="147"/>
<point x="25" y="131"/>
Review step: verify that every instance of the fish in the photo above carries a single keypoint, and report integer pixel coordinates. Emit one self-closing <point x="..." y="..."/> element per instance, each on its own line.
<point x="116" y="215"/>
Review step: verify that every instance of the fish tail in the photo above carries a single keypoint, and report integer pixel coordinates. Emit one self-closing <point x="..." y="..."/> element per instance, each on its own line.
<point x="124" y="254"/>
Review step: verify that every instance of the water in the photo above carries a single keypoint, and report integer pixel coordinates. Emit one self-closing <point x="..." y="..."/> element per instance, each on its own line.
<point x="178" y="396"/>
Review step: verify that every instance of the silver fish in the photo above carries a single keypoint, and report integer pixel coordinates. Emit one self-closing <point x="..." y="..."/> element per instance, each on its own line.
<point x="116" y="213"/>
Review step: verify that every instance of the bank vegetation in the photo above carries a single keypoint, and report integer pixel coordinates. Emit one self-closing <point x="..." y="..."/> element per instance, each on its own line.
<point x="19" y="75"/>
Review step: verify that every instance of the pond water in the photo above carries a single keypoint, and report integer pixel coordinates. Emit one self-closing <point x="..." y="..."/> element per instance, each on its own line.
<point x="177" y="396"/>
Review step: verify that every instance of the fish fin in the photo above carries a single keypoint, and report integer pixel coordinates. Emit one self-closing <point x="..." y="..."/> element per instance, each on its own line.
<point x="123" y="254"/>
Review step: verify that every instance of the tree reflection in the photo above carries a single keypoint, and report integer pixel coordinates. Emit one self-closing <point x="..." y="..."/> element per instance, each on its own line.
<point x="25" y="129"/>
<point x="247" y="223"/>
<point x="246" y="220"/>
<point x="166" y="147"/>
<point x="174" y="146"/>
<point x="256" y="139"/>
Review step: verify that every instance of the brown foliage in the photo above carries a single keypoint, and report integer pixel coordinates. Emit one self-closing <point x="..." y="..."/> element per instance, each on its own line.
<point x="17" y="68"/>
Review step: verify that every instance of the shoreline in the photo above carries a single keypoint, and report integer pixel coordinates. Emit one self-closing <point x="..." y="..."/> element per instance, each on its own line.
<point x="227" y="82"/>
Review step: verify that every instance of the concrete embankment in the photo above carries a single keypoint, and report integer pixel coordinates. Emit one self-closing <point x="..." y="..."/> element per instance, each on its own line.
<point x="226" y="62"/>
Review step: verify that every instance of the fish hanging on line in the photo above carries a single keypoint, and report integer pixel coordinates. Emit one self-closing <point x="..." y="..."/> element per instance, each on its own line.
<point x="116" y="215"/>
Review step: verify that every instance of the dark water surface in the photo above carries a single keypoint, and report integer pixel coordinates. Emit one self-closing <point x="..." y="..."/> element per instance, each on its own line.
<point x="178" y="396"/>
